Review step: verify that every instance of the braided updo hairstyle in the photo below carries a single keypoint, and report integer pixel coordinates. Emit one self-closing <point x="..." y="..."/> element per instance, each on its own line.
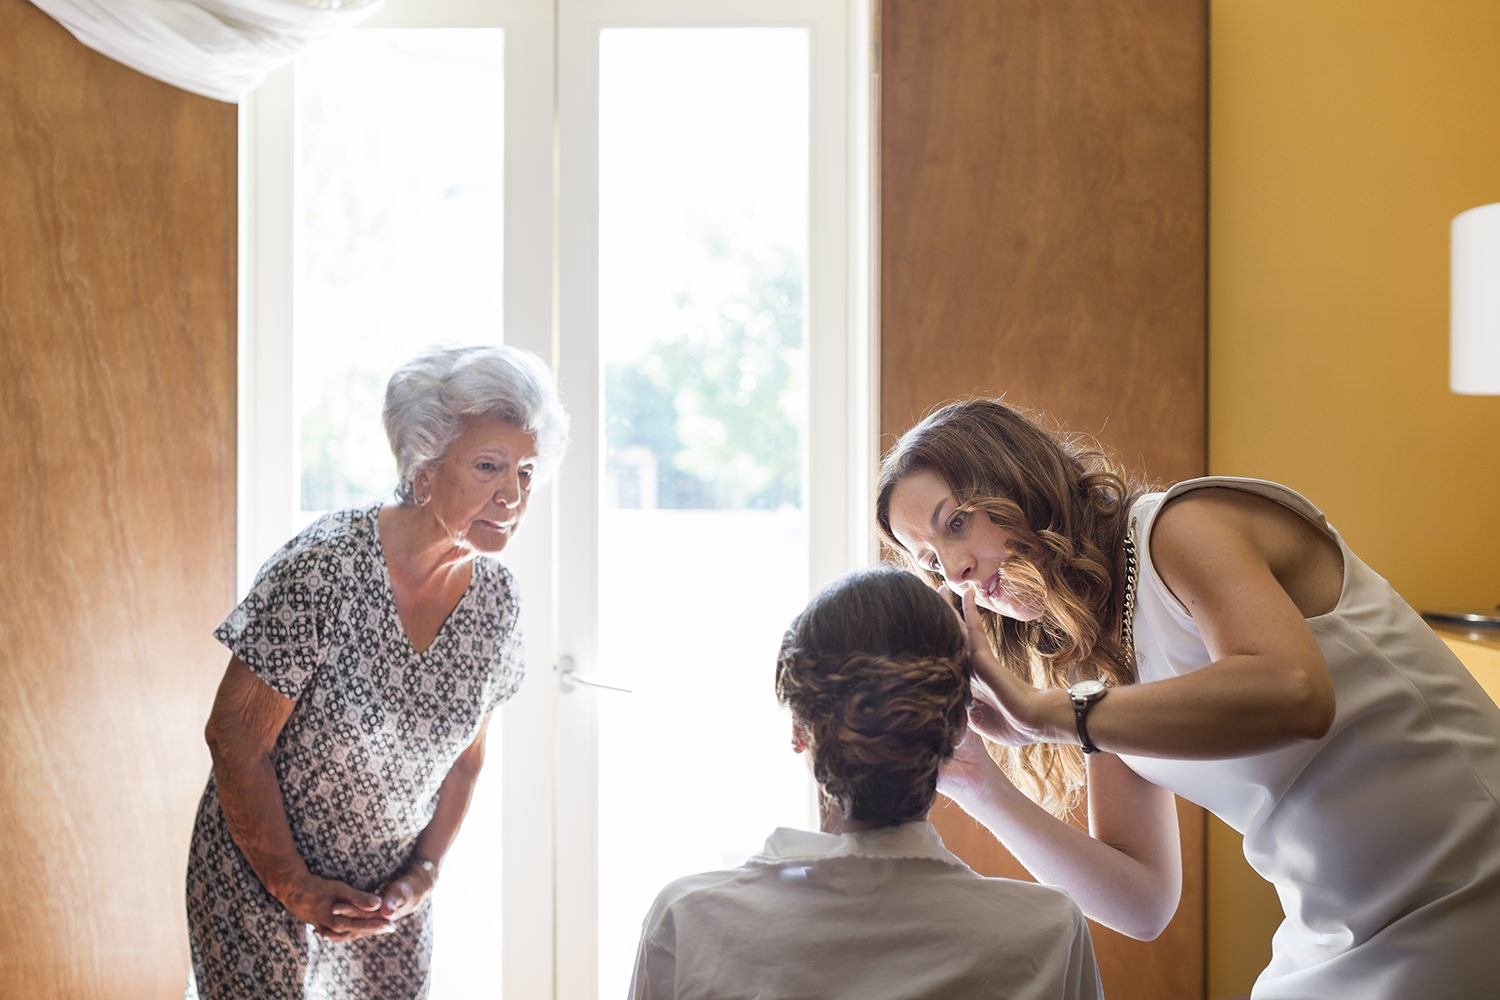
<point x="875" y="670"/>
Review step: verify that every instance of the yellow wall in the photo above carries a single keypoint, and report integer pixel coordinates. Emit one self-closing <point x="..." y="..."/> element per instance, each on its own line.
<point x="1344" y="135"/>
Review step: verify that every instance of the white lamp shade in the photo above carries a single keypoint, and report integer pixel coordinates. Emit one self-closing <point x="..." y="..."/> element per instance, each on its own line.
<point x="1474" y="348"/>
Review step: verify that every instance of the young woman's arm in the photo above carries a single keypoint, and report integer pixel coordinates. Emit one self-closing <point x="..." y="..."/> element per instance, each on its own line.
<point x="1125" y="873"/>
<point x="1250" y="572"/>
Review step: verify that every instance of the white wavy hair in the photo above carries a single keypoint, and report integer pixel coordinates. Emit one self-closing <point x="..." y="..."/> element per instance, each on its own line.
<point x="428" y="398"/>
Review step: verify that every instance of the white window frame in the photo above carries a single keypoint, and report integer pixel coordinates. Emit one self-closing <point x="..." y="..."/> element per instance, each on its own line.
<point x="839" y="376"/>
<point x="550" y="304"/>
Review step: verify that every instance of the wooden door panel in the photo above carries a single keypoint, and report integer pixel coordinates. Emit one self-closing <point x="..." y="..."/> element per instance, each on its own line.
<point x="117" y="378"/>
<point x="1042" y="235"/>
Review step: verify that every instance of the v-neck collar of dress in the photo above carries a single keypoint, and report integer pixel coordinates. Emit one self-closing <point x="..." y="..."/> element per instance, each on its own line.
<point x="373" y="525"/>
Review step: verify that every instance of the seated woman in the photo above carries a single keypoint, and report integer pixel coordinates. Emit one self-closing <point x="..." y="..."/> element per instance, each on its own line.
<point x="877" y="679"/>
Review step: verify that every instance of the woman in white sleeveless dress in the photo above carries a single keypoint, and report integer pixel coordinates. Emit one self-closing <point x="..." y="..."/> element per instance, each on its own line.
<point x="1219" y="641"/>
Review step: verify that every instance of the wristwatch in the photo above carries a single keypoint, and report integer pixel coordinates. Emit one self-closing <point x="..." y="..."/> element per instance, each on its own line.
<point x="1084" y="695"/>
<point x="430" y="867"/>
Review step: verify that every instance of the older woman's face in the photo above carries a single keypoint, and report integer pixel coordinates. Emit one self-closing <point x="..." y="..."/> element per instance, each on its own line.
<point x="479" y="489"/>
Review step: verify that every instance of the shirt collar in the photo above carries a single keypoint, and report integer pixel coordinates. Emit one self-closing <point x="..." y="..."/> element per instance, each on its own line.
<point x="909" y="840"/>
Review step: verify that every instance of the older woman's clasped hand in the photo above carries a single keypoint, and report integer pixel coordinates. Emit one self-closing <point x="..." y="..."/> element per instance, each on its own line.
<point x="339" y="912"/>
<point x="336" y="910"/>
<point x="405" y="893"/>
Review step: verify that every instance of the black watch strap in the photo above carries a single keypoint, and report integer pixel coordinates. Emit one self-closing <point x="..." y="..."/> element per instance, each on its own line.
<point x="1081" y="713"/>
<point x="1084" y="696"/>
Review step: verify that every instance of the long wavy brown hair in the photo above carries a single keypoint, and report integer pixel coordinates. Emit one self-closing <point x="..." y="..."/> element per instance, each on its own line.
<point x="1067" y="500"/>
<point x="875" y="670"/>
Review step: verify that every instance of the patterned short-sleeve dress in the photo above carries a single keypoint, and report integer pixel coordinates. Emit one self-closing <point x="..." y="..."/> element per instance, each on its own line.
<point x="374" y="732"/>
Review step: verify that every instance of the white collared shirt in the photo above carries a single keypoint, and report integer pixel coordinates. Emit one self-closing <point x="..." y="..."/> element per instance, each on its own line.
<point x="886" y="913"/>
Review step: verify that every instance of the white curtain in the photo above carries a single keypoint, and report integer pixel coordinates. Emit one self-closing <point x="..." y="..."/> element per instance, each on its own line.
<point x="217" y="48"/>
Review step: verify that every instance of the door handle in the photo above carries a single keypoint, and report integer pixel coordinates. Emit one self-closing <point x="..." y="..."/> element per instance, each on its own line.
<point x="569" y="678"/>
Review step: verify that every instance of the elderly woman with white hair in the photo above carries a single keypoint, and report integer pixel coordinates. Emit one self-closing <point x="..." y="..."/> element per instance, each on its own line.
<point x="349" y="727"/>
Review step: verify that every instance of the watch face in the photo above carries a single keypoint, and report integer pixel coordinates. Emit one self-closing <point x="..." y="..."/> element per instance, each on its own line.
<point x="1086" y="689"/>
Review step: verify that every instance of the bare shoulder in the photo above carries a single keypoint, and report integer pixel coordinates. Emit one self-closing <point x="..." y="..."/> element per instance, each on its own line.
<point x="1203" y="521"/>
<point x="1208" y="526"/>
<point x="1220" y="510"/>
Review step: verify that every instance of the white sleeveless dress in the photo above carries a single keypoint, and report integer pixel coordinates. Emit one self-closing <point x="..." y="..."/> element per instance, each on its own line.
<point x="1382" y="838"/>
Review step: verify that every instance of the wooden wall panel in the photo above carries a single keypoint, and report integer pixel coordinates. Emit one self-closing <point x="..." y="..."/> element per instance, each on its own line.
<point x="117" y="377"/>
<point x="1043" y="181"/>
<point x="1042" y="215"/>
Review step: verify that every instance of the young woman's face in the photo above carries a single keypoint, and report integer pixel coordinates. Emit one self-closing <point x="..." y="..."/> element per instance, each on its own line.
<point x="479" y="489"/>
<point x="966" y="547"/>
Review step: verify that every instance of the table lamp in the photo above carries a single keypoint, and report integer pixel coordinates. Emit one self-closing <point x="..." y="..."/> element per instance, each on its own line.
<point x="1474" y="324"/>
<point x="1474" y="335"/>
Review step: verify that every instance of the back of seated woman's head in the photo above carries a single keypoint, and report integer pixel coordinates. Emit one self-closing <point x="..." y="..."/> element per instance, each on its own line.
<point x="874" y="669"/>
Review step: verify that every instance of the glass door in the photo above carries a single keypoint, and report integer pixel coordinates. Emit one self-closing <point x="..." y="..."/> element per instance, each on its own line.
<point x="397" y="192"/>
<point x="659" y="197"/>
<point x="705" y="330"/>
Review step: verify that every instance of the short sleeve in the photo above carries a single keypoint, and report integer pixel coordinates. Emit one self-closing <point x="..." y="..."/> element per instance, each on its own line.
<point x="281" y="627"/>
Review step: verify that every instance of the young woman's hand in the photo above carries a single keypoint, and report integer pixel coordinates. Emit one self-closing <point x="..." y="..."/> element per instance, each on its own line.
<point x="970" y="771"/>
<point x="1006" y="709"/>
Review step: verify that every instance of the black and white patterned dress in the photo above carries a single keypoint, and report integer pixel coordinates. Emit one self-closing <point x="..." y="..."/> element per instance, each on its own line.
<point x="374" y="732"/>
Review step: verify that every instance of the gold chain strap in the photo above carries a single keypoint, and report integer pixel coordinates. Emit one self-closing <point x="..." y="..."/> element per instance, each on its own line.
<point x="1127" y="638"/>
